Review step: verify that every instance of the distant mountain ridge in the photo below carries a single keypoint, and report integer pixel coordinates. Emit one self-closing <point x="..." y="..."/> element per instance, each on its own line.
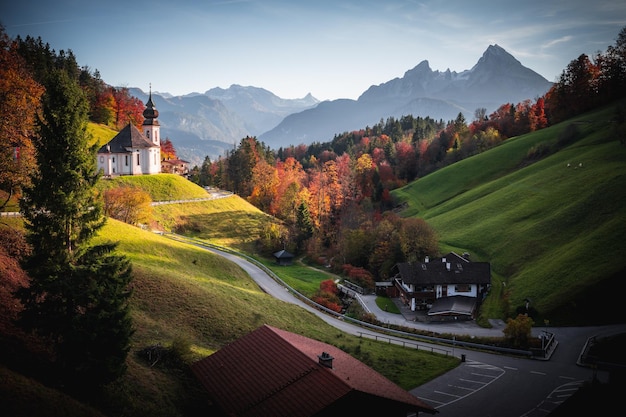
<point x="496" y="79"/>
<point x="210" y="123"/>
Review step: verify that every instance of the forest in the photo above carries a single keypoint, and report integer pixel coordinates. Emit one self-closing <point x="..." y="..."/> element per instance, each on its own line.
<point x="334" y="198"/>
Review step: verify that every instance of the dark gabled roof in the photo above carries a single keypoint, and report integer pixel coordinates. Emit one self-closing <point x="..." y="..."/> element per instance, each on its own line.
<point x="282" y="254"/>
<point x="127" y="138"/>
<point x="450" y="269"/>
<point x="455" y="304"/>
<point x="272" y="372"/>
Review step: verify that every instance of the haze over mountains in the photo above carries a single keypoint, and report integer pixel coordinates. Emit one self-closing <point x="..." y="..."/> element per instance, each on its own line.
<point x="213" y="122"/>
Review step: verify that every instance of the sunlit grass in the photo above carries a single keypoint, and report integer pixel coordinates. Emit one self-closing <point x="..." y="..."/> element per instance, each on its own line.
<point x="304" y="279"/>
<point x="183" y="291"/>
<point x="161" y="187"/>
<point x="101" y="134"/>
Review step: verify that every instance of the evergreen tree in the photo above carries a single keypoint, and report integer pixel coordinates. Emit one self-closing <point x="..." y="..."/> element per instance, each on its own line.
<point x="304" y="225"/>
<point x="77" y="297"/>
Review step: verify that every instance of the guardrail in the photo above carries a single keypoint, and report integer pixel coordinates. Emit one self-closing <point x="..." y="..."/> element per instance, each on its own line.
<point x="384" y="330"/>
<point x="405" y="343"/>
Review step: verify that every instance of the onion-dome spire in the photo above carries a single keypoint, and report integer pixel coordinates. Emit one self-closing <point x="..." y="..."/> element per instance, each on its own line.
<point x="150" y="113"/>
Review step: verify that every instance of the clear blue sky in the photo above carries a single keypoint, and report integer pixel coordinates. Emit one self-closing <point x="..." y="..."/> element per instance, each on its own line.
<point x="332" y="49"/>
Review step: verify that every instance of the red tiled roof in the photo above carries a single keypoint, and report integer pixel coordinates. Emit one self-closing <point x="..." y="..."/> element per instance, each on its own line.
<point x="272" y="372"/>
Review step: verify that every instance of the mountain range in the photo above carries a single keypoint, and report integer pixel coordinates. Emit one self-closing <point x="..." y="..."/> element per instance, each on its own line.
<point x="213" y="122"/>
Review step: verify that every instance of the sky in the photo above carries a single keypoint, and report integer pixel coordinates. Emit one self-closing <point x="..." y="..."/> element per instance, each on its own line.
<point x="331" y="49"/>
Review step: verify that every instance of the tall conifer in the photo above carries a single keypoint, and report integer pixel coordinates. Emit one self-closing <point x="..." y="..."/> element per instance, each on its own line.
<point x="78" y="295"/>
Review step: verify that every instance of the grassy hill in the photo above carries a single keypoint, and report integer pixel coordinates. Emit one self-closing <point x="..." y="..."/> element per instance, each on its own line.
<point x="187" y="303"/>
<point x="553" y="228"/>
<point x="161" y="187"/>
<point x="101" y="134"/>
<point x="187" y="296"/>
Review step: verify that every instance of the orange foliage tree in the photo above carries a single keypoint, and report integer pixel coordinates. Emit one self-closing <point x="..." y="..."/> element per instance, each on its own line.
<point x="167" y="150"/>
<point x="327" y="295"/>
<point x="131" y="205"/>
<point x="19" y="100"/>
<point x="127" y="109"/>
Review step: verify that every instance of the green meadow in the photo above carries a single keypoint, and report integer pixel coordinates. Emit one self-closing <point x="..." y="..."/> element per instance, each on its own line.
<point x="185" y="295"/>
<point x="553" y="229"/>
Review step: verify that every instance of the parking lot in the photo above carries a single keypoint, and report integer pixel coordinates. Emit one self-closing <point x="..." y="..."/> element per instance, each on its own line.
<point x="469" y="377"/>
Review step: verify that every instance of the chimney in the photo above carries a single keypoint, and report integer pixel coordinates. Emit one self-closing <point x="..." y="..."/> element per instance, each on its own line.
<point x="326" y="360"/>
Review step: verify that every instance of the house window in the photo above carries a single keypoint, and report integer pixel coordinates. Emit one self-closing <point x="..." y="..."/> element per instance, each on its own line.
<point x="462" y="288"/>
<point x="148" y="134"/>
<point x="113" y="159"/>
<point x="102" y="159"/>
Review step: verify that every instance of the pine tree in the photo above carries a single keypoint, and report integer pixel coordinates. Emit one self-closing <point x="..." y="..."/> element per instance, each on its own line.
<point x="78" y="295"/>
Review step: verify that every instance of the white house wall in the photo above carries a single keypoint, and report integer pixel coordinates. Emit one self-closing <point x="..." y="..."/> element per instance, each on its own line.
<point x="473" y="292"/>
<point x="126" y="163"/>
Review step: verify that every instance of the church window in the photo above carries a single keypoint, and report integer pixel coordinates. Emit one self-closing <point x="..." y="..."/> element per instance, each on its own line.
<point x="148" y="134"/>
<point x="138" y="162"/>
<point x="126" y="160"/>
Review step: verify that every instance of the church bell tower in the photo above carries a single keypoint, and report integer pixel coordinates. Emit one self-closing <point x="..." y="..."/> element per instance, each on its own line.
<point x="151" y="127"/>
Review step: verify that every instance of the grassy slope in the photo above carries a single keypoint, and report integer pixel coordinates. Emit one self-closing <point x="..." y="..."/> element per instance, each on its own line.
<point x="161" y="187"/>
<point x="551" y="232"/>
<point x="183" y="292"/>
<point x="101" y="134"/>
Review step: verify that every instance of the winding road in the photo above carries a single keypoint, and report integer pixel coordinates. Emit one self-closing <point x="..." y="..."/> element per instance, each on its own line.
<point x="485" y="384"/>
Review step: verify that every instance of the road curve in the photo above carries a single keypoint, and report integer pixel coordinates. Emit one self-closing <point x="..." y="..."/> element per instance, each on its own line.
<point x="485" y="384"/>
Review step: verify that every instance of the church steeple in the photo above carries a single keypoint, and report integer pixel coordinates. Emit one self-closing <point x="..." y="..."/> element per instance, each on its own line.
<point x="151" y="125"/>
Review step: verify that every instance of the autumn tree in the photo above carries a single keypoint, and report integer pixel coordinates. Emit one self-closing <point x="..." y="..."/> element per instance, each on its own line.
<point x="127" y="108"/>
<point x="417" y="239"/>
<point x="518" y="330"/>
<point x="328" y="295"/>
<point x="385" y="249"/>
<point x="129" y="204"/>
<point x="167" y="150"/>
<point x="77" y="297"/>
<point x="291" y="177"/>
<point x="19" y="101"/>
<point x="264" y="182"/>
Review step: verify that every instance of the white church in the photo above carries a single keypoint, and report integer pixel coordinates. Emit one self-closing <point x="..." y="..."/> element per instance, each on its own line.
<point x="132" y="152"/>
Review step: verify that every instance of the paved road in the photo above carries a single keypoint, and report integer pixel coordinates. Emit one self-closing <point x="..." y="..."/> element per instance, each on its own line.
<point x="486" y="384"/>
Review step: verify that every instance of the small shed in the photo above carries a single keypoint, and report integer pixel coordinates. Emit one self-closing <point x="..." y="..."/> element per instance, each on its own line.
<point x="283" y="257"/>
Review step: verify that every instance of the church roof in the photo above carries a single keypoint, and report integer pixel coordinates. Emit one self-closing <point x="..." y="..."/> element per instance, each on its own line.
<point x="128" y="138"/>
<point x="150" y="113"/>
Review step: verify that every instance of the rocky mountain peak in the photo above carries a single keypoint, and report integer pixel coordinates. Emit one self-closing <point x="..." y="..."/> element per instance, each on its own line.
<point x="496" y="58"/>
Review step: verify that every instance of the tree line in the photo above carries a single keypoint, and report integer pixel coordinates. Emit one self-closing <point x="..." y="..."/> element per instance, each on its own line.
<point x="334" y="199"/>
